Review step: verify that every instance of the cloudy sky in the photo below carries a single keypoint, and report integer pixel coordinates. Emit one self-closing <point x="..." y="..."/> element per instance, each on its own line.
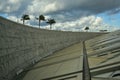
<point x="70" y="15"/>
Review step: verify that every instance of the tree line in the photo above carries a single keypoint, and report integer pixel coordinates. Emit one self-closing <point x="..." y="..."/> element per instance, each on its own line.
<point x="40" y="18"/>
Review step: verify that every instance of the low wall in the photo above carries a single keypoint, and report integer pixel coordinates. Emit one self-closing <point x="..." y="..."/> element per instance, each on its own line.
<point x="22" y="46"/>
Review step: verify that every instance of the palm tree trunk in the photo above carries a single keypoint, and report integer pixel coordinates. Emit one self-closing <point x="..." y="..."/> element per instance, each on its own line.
<point x="23" y="21"/>
<point x="50" y="26"/>
<point x="39" y="23"/>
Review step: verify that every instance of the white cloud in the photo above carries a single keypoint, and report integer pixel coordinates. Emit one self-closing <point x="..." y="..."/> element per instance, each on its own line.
<point x="48" y="6"/>
<point x="70" y="14"/>
<point x="13" y="18"/>
<point x="98" y="21"/>
<point x="93" y="22"/>
<point x="93" y="6"/>
<point x="9" y="5"/>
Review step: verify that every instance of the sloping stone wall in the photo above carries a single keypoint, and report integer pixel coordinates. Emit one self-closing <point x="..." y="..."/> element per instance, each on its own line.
<point x="22" y="46"/>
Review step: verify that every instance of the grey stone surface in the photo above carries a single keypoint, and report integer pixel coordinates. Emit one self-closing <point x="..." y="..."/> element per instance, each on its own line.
<point x="67" y="64"/>
<point x="21" y="45"/>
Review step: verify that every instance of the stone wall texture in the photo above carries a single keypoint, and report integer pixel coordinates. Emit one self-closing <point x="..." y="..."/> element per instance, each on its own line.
<point x="22" y="46"/>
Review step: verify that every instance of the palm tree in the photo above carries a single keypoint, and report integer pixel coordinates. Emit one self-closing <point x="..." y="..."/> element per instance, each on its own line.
<point x="41" y="17"/>
<point x="51" y="21"/>
<point x="25" y="17"/>
<point x="86" y="28"/>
